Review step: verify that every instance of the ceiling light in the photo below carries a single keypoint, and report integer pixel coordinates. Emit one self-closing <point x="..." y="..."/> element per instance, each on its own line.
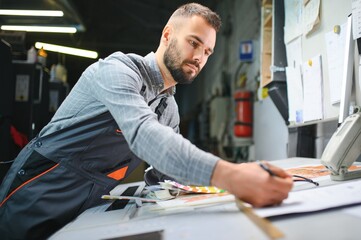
<point x="39" y="29"/>
<point x="66" y="50"/>
<point x="42" y="13"/>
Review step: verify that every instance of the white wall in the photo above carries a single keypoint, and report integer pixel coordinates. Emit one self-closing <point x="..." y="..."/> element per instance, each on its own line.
<point x="270" y="132"/>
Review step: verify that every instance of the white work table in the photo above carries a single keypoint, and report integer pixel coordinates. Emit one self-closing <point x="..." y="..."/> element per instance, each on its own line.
<point x="221" y="221"/>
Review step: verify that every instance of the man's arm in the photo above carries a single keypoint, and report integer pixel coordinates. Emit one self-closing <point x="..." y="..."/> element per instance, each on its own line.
<point x="117" y="85"/>
<point x="250" y="183"/>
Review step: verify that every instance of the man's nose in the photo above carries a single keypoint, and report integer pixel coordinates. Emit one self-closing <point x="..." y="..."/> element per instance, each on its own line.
<point x="199" y="55"/>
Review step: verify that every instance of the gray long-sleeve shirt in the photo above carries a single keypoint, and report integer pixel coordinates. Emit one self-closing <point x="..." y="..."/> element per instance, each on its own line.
<point x="124" y="85"/>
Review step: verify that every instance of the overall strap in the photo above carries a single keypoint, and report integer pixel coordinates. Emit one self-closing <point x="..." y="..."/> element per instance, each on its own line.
<point x="161" y="107"/>
<point x="142" y="91"/>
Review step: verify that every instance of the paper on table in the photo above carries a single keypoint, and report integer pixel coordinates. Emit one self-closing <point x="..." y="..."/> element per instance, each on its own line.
<point x="316" y="199"/>
<point x="312" y="89"/>
<point x="167" y="184"/>
<point x="309" y="171"/>
<point x="196" y="200"/>
<point x="315" y="171"/>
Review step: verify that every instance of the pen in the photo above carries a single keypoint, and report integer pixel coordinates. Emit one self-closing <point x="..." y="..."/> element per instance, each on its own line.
<point x="266" y="168"/>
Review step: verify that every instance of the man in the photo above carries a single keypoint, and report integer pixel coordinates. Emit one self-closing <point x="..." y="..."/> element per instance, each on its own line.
<point x="120" y="112"/>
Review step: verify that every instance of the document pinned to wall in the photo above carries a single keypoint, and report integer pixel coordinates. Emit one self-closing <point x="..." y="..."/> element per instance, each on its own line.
<point x="312" y="89"/>
<point x="358" y="82"/>
<point x="294" y="80"/>
<point x="295" y="95"/>
<point x="356" y="19"/>
<point x="293" y="20"/>
<point x="311" y="16"/>
<point x="335" y="49"/>
<point x="22" y="88"/>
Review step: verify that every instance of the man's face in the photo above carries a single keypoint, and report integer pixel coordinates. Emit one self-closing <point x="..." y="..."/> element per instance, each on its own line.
<point x="189" y="49"/>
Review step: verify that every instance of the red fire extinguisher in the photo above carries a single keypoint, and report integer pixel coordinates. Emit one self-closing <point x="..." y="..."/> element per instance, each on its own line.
<point x="244" y="114"/>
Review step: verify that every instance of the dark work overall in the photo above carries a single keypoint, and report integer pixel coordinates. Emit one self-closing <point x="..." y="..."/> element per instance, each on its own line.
<point x="58" y="176"/>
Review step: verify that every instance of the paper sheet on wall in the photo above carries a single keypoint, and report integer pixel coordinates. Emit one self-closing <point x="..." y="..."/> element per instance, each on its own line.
<point x="312" y="89"/>
<point x="335" y="46"/>
<point x="358" y="80"/>
<point x="356" y="19"/>
<point x="22" y="85"/>
<point x="294" y="80"/>
<point x="294" y="53"/>
<point x="310" y="16"/>
<point x="293" y="20"/>
<point x="295" y="95"/>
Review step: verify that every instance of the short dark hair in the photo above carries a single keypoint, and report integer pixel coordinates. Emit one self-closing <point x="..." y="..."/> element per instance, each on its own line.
<point x="192" y="9"/>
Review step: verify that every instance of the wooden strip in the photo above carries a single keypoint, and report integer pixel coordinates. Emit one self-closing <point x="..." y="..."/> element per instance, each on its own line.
<point x="265" y="225"/>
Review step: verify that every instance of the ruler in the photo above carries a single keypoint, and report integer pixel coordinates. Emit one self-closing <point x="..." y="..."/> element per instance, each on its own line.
<point x="265" y="225"/>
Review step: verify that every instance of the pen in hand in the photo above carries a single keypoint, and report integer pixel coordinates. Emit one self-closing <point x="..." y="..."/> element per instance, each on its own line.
<point x="266" y="168"/>
<point x="298" y="178"/>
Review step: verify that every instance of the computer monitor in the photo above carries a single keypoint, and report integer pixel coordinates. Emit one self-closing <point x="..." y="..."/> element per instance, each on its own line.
<point x="350" y="88"/>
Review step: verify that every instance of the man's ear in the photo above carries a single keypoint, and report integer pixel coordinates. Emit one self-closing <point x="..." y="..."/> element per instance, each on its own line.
<point x="166" y="34"/>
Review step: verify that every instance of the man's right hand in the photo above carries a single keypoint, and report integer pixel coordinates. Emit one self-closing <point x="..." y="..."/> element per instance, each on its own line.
<point x="252" y="184"/>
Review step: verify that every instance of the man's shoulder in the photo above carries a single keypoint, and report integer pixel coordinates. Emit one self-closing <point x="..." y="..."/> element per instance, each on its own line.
<point x="132" y="61"/>
<point x="126" y="58"/>
<point x="142" y="68"/>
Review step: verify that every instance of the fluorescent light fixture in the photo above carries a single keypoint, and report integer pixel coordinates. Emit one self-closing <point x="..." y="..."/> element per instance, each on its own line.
<point x="66" y="50"/>
<point x="38" y="29"/>
<point x="41" y="13"/>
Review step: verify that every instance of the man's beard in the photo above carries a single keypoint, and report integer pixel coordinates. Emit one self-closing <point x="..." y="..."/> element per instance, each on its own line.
<point x="173" y="63"/>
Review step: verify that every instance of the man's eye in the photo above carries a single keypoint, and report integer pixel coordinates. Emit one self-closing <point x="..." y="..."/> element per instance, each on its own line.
<point x="193" y="43"/>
